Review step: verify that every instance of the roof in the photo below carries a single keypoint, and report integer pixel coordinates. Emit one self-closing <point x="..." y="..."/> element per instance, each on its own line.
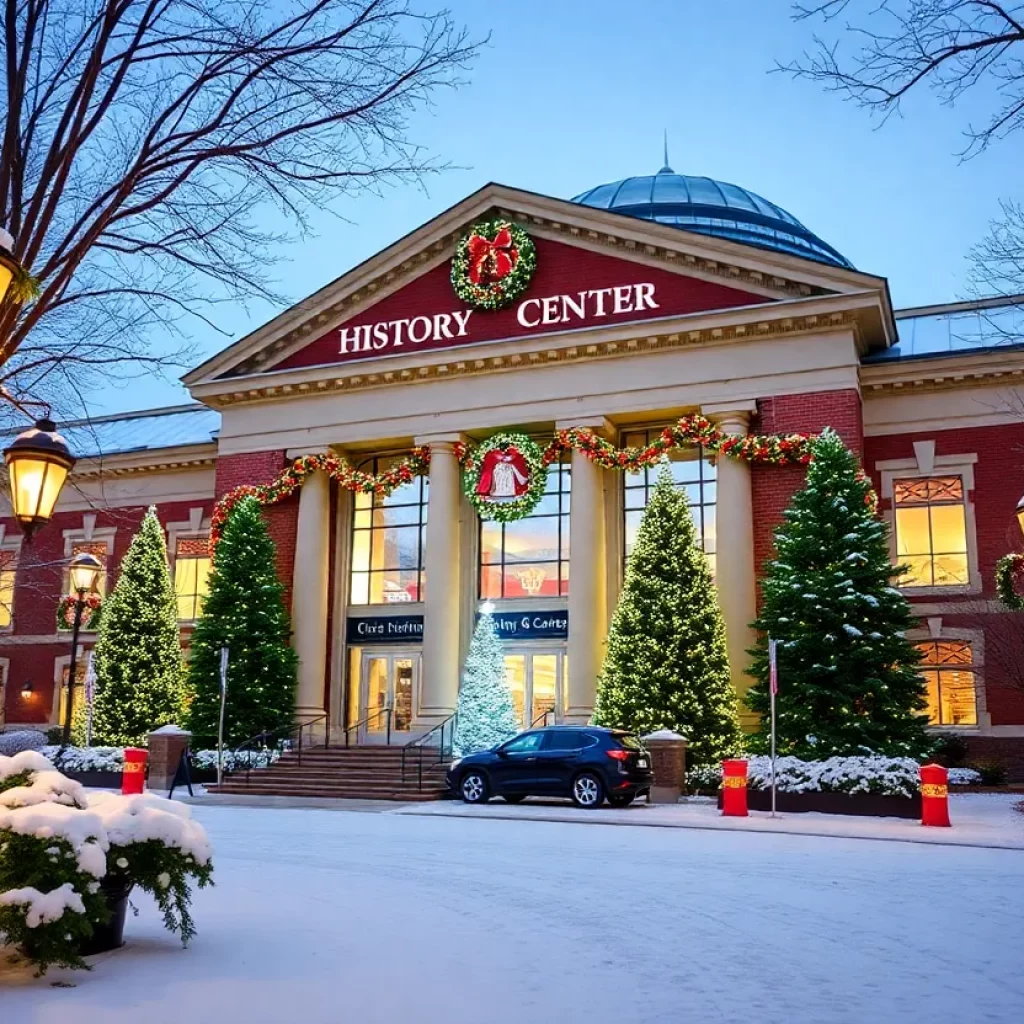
<point x="956" y="328"/>
<point x="711" y="207"/>
<point x="146" y="430"/>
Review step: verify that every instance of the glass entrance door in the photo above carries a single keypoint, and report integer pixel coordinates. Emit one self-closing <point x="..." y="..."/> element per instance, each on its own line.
<point x="537" y="681"/>
<point x="388" y="688"/>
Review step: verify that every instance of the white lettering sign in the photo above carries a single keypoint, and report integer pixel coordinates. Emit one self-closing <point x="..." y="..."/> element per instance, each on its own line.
<point x="546" y="312"/>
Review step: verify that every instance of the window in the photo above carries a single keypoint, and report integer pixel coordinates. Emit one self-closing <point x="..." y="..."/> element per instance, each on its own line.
<point x="192" y="564"/>
<point x="948" y="670"/>
<point x="387" y="541"/>
<point x="564" y="739"/>
<point x="530" y="557"/>
<point x="99" y="548"/>
<point x="931" y="531"/>
<point x="691" y="473"/>
<point x="63" y="666"/>
<point x="524" y="744"/>
<point x="8" y="576"/>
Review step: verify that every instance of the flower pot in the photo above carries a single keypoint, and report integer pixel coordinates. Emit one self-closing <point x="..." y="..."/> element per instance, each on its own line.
<point x="108" y="936"/>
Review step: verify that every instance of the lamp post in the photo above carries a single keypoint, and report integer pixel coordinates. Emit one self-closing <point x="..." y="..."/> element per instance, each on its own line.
<point x="84" y="569"/>
<point x="38" y="461"/>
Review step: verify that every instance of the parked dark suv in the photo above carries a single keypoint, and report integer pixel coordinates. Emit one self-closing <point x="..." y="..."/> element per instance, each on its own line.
<point x="586" y="763"/>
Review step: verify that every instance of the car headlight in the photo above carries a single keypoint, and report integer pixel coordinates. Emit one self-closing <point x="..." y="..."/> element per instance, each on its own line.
<point x="454" y="764"/>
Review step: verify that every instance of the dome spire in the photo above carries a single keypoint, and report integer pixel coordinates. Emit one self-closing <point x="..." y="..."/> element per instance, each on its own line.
<point x="665" y="167"/>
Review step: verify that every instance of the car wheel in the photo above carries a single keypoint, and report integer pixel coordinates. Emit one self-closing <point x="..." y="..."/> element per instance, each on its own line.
<point x="621" y="800"/>
<point x="587" y="791"/>
<point x="474" y="788"/>
<point x="514" y="798"/>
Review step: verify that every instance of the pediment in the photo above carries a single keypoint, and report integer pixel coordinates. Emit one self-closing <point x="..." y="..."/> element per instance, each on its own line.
<point x="593" y="270"/>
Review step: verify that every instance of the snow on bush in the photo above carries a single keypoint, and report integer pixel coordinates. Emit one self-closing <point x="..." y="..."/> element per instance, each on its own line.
<point x="236" y="760"/>
<point x="111" y="759"/>
<point x="883" y="776"/>
<point x="12" y="743"/>
<point x="43" y="907"/>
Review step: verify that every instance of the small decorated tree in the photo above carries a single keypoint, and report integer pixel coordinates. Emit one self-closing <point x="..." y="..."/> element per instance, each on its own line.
<point x="667" y="665"/>
<point x="487" y="715"/>
<point x="848" y="682"/>
<point x="139" y="684"/>
<point x="243" y="611"/>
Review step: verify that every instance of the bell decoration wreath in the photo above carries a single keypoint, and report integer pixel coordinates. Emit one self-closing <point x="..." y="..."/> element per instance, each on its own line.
<point x="1010" y="581"/>
<point x="90" y="612"/>
<point x="504" y="477"/>
<point x="493" y="264"/>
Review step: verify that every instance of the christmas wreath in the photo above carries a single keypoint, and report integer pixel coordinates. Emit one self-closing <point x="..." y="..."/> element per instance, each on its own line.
<point x="1010" y="581"/>
<point x="493" y="264"/>
<point x="90" y="612"/>
<point x="504" y="477"/>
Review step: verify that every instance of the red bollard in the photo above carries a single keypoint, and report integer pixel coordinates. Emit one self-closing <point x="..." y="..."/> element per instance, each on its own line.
<point x="133" y="775"/>
<point x="934" y="795"/>
<point x="734" y="788"/>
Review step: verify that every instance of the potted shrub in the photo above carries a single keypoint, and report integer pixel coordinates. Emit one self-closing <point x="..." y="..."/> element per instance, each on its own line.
<point x="68" y="861"/>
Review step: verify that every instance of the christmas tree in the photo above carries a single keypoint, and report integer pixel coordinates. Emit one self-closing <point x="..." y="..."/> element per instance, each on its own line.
<point x="847" y="677"/>
<point x="666" y="665"/>
<point x="243" y="611"/>
<point x="487" y="716"/>
<point x="137" y="658"/>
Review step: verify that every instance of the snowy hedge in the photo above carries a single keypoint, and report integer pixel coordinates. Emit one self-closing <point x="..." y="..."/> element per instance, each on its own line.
<point x="57" y="842"/>
<point x="882" y="776"/>
<point x="15" y="742"/>
<point x="111" y="759"/>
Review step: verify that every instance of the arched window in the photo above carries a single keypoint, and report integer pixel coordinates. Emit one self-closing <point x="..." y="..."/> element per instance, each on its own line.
<point x="387" y="541"/>
<point x="692" y="472"/>
<point x="529" y="557"/>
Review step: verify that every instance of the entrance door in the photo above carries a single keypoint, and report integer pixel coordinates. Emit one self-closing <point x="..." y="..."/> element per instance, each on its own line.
<point x="388" y="685"/>
<point x="537" y="681"/>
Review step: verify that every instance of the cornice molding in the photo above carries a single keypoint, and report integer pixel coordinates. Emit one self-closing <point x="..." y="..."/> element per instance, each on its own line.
<point x="182" y="457"/>
<point x="949" y="372"/>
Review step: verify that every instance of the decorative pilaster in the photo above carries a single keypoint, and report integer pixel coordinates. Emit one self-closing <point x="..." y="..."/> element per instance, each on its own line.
<point x="309" y="593"/>
<point x="439" y="688"/>
<point x="588" y="592"/>
<point x="734" y="550"/>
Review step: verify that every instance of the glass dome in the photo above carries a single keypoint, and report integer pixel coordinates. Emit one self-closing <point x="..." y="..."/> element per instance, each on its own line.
<point x="711" y="207"/>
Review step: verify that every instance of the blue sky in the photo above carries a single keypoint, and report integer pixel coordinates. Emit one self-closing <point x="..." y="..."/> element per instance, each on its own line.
<point x="572" y="93"/>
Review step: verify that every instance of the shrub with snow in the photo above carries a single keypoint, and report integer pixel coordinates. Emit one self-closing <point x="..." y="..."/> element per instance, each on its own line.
<point x="12" y="743"/>
<point x="86" y="759"/>
<point x="964" y="777"/>
<point x="56" y="843"/>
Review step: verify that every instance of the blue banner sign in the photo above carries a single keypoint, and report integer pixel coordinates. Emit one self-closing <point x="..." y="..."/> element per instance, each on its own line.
<point x="532" y="625"/>
<point x="384" y="629"/>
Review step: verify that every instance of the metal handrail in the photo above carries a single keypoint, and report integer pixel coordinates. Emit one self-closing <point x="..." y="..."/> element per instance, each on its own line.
<point x="369" y="718"/>
<point x="420" y="744"/>
<point x="282" y="736"/>
<point x="542" y="718"/>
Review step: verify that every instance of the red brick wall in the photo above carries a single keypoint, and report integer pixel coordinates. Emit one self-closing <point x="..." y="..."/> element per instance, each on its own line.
<point x="774" y="486"/>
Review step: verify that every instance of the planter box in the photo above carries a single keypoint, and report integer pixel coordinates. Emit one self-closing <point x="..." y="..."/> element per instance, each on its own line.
<point x="100" y="780"/>
<point x="869" y="804"/>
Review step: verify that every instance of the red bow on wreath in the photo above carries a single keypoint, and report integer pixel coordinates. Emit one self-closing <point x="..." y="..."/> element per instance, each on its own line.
<point x="491" y="261"/>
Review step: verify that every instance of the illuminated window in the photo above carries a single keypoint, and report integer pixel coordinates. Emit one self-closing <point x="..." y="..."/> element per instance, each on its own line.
<point x="530" y="556"/>
<point x="948" y="670"/>
<point x="192" y="565"/>
<point x="8" y="575"/>
<point x="81" y="668"/>
<point x="387" y="541"/>
<point x="101" y="550"/>
<point x="691" y="472"/>
<point x="931" y="531"/>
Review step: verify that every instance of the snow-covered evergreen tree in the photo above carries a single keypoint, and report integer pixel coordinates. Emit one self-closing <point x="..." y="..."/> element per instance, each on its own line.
<point x="487" y="715"/>
<point x="243" y="611"/>
<point x="139" y="684"/>
<point x="848" y="681"/>
<point x="666" y="665"/>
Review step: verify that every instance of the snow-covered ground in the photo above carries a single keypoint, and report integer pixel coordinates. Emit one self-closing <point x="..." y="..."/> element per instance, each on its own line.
<point x="325" y="917"/>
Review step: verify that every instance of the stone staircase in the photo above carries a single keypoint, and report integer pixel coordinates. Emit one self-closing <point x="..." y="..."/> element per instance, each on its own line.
<point x="361" y="773"/>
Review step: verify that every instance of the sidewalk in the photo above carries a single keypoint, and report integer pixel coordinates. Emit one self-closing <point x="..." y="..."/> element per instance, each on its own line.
<point x="979" y="819"/>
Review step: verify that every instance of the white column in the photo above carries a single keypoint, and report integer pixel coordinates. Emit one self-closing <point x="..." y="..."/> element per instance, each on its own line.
<point x="588" y="600"/>
<point x="734" y="550"/>
<point x="439" y="686"/>
<point x="309" y="592"/>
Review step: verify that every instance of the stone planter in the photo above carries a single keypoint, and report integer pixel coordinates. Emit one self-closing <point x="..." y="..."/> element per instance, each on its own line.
<point x="105" y="937"/>
<point x="869" y="804"/>
<point x="97" y="779"/>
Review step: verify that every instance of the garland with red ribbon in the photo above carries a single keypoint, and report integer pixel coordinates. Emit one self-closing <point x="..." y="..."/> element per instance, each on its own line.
<point x="493" y="264"/>
<point x="90" y="612"/>
<point x="1010" y="581"/>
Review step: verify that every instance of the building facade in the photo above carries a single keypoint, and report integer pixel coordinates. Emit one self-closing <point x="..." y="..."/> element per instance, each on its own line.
<point x="651" y="299"/>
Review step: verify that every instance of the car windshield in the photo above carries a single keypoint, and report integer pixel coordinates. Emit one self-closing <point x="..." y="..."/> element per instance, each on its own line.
<point x="629" y="742"/>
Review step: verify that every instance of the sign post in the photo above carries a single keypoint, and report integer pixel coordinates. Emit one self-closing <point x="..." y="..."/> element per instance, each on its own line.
<point x="223" y="701"/>
<point x="773" y="689"/>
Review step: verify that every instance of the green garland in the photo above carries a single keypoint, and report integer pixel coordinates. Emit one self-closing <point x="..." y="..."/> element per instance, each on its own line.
<point x="493" y="264"/>
<point x="517" y="508"/>
<point x="1009" y="569"/>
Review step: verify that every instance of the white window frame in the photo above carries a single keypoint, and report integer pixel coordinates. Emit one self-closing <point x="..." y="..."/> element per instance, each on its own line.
<point x="13" y="545"/>
<point x="89" y="534"/>
<point x="935" y="631"/>
<point x="197" y="528"/>
<point x="928" y="464"/>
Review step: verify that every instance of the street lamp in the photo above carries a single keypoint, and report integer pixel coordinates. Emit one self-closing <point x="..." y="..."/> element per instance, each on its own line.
<point x="84" y="570"/>
<point x="38" y="461"/>
<point x="10" y="268"/>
